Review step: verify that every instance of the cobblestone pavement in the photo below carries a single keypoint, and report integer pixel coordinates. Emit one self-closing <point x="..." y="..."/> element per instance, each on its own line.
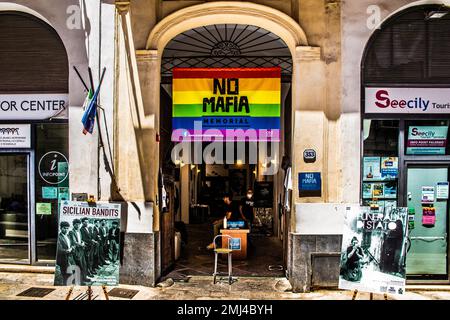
<point x="202" y="288"/>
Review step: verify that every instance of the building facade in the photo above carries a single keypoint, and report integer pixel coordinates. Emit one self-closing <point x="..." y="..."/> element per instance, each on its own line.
<point x="397" y="46"/>
<point x="311" y="32"/>
<point x="45" y="156"/>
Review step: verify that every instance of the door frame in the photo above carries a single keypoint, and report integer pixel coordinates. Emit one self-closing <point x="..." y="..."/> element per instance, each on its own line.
<point x="417" y="162"/>
<point x="32" y="249"/>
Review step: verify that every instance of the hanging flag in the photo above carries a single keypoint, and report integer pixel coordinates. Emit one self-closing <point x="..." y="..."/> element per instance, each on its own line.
<point x="88" y="99"/>
<point x="242" y="104"/>
<point x="90" y="113"/>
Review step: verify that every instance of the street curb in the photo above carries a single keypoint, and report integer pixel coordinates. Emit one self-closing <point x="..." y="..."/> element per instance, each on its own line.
<point x="416" y="288"/>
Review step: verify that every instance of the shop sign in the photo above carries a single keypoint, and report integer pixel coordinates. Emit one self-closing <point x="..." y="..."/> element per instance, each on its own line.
<point x="238" y="104"/>
<point x="81" y="218"/>
<point x="373" y="250"/>
<point x="442" y="190"/>
<point x="34" y="106"/>
<point x="427" y="140"/>
<point x="53" y="167"/>
<point x="407" y="100"/>
<point x="15" y="136"/>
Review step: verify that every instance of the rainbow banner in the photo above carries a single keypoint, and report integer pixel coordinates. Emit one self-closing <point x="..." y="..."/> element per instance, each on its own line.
<point x="235" y="104"/>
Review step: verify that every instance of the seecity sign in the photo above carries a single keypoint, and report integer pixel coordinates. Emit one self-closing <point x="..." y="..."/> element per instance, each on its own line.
<point x="407" y="100"/>
<point x="33" y="106"/>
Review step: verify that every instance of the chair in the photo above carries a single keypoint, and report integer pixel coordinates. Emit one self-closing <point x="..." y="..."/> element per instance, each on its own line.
<point x="226" y="251"/>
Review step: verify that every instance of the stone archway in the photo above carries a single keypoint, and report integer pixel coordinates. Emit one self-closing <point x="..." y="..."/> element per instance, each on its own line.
<point x="227" y="12"/>
<point x="223" y="12"/>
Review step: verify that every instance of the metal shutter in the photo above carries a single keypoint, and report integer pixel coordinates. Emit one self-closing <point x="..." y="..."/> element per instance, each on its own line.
<point x="409" y="50"/>
<point x="32" y="56"/>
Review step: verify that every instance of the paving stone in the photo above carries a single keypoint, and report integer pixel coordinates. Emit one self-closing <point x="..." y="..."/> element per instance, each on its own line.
<point x="201" y="288"/>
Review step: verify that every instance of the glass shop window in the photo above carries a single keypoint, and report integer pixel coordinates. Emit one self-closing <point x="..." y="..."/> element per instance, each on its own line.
<point x="426" y="138"/>
<point x="52" y="184"/>
<point x="380" y="163"/>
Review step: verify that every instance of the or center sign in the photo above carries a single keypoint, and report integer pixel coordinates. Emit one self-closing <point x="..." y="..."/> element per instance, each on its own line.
<point x="53" y="167"/>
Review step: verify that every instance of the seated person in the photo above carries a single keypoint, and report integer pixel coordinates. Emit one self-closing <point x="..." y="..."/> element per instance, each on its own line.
<point x="231" y="212"/>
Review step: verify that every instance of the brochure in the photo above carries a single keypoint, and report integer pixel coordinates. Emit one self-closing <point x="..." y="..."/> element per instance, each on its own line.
<point x="371" y="168"/>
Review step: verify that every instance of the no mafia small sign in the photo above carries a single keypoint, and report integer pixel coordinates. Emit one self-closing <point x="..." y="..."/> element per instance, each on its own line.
<point x="309" y="184"/>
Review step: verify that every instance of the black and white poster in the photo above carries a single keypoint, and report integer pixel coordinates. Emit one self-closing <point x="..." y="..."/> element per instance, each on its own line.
<point x="88" y="244"/>
<point x="374" y="250"/>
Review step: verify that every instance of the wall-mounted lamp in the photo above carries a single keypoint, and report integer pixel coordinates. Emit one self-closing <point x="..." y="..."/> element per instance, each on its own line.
<point x="437" y="14"/>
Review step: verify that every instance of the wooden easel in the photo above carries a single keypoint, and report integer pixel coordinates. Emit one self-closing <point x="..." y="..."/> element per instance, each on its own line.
<point x="355" y="293"/>
<point x="89" y="294"/>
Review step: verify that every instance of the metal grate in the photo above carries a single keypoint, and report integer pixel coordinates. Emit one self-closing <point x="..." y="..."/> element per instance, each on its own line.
<point x="409" y="49"/>
<point x="35" y="292"/>
<point x="122" y="293"/>
<point x="285" y="63"/>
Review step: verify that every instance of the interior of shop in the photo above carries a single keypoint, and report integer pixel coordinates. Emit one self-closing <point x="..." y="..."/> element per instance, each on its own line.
<point x="206" y="186"/>
<point x="195" y="191"/>
<point x="19" y="175"/>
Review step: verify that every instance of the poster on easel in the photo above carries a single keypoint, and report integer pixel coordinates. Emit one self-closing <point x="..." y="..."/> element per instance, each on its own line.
<point x="88" y="244"/>
<point x="374" y="250"/>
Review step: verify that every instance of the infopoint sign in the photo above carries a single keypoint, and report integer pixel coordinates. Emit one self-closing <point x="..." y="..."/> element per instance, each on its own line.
<point x="234" y="104"/>
<point x="407" y="100"/>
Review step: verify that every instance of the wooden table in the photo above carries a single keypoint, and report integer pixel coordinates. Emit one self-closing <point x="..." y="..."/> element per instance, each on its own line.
<point x="239" y="246"/>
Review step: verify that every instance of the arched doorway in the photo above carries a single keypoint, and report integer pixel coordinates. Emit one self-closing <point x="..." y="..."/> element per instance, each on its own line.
<point x="405" y="83"/>
<point x="34" y="103"/>
<point x="305" y="61"/>
<point x="198" y="188"/>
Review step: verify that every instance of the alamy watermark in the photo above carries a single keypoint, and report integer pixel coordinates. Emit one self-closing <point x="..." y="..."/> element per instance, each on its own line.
<point x="262" y="147"/>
